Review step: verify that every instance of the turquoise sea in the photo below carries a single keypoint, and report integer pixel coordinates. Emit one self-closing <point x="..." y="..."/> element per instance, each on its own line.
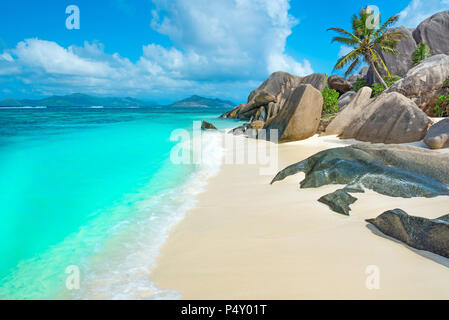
<point x="95" y="189"/>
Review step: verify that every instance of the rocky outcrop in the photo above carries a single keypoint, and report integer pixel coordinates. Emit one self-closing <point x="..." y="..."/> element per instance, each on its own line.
<point x="434" y="31"/>
<point x="397" y="64"/>
<point x="339" y="83"/>
<point x="324" y="123"/>
<point x="438" y="135"/>
<point x="345" y="99"/>
<point x="269" y="99"/>
<point x="392" y="170"/>
<point x="362" y="75"/>
<point x="417" y="232"/>
<point x="257" y="125"/>
<point x="207" y="126"/>
<point x="391" y="118"/>
<point x="354" y="109"/>
<point x="425" y="82"/>
<point x="300" y="116"/>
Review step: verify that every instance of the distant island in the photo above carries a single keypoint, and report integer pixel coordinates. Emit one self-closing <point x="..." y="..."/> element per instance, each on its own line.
<point x="87" y="101"/>
<point x="197" y="101"/>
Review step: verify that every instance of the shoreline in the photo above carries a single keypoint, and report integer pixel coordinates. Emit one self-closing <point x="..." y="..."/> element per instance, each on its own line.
<point x="233" y="246"/>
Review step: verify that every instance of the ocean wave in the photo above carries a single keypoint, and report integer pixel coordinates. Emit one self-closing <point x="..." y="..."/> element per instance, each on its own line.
<point x="26" y="107"/>
<point x="122" y="268"/>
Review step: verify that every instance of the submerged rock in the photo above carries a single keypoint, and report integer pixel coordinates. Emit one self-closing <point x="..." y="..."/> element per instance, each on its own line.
<point x="207" y="126"/>
<point x="438" y="135"/>
<point x="392" y="170"/>
<point x="417" y="232"/>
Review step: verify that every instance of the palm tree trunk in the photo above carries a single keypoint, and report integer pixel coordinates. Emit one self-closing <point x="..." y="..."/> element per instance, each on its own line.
<point x="377" y="74"/>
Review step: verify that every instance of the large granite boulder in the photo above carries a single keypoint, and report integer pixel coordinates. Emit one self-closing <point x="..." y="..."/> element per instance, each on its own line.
<point x="264" y="99"/>
<point x="339" y="83"/>
<point x="392" y="170"/>
<point x="438" y="135"/>
<point x="272" y="94"/>
<point x="400" y="64"/>
<point x="434" y="31"/>
<point x="417" y="232"/>
<point x="350" y="112"/>
<point x="300" y="116"/>
<point x="425" y="82"/>
<point x="391" y="118"/>
<point x="345" y="99"/>
<point x="397" y="64"/>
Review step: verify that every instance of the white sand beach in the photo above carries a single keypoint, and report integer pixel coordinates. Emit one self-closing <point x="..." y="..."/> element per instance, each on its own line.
<point x="247" y="239"/>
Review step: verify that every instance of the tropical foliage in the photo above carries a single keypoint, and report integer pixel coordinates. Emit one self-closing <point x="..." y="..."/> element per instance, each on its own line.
<point x="330" y="101"/>
<point x="366" y="42"/>
<point x="421" y="53"/>
<point x="441" y="108"/>
<point x="359" y="84"/>
<point x="378" y="88"/>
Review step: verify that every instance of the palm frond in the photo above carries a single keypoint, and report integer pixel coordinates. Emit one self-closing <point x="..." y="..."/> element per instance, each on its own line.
<point x="389" y="50"/>
<point x="347" y="41"/>
<point x="350" y="57"/>
<point x="387" y="24"/>
<point x="346" y="33"/>
<point x="351" y="68"/>
<point x="395" y="35"/>
<point x="382" y="63"/>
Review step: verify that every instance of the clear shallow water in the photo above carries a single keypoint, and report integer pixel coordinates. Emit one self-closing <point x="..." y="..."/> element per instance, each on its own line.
<point x="93" y="188"/>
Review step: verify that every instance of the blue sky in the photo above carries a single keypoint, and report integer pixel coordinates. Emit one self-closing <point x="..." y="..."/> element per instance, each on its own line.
<point x="165" y="50"/>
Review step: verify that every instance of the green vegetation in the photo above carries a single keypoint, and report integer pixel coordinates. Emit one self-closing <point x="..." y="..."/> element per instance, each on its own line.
<point x="441" y="108"/>
<point x="330" y="101"/>
<point x="378" y="88"/>
<point x="421" y="53"/>
<point x="366" y="41"/>
<point x="359" y="84"/>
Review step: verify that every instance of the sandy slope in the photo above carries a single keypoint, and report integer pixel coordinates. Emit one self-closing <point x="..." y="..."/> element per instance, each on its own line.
<point x="248" y="239"/>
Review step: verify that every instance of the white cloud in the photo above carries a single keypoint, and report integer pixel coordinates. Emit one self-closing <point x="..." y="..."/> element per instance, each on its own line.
<point x="6" y="57"/>
<point x="54" y="59"/>
<point x="232" y="38"/>
<point x="419" y="10"/>
<point x="219" y="48"/>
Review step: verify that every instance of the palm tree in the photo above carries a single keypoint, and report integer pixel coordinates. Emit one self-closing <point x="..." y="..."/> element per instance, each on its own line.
<point x="367" y="42"/>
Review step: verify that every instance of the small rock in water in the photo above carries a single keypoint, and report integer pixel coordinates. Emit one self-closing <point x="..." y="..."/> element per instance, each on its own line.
<point x="207" y="126"/>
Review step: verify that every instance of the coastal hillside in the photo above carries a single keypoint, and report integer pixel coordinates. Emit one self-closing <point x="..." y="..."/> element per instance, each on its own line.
<point x="78" y="100"/>
<point x="197" y="101"/>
